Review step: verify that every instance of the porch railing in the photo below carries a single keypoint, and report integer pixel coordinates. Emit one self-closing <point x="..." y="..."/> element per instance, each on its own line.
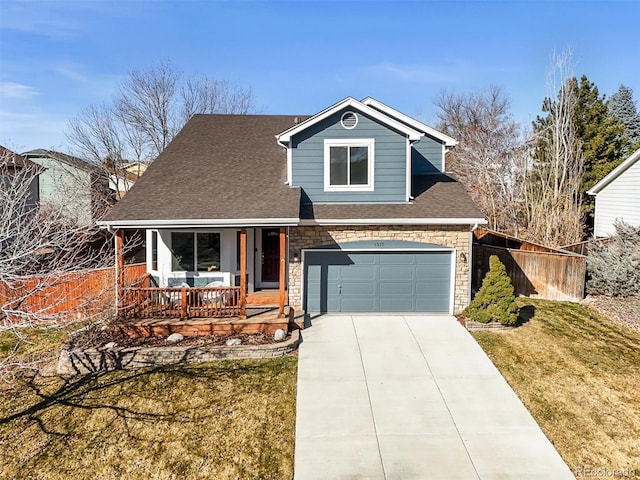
<point x="182" y="302"/>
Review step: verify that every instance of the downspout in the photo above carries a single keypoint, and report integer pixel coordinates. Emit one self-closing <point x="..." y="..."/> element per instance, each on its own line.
<point x="470" y="259"/>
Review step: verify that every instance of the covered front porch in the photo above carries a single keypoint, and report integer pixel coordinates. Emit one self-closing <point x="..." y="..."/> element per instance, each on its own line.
<point x="154" y="305"/>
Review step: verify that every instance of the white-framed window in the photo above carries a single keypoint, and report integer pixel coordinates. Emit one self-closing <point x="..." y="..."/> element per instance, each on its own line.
<point x="348" y="164"/>
<point x="195" y="251"/>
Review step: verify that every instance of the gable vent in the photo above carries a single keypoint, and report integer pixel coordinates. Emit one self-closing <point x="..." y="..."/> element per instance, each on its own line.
<point x="349" y="120"/>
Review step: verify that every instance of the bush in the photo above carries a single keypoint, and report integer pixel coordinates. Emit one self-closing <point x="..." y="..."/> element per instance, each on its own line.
<point x="495" y="301"/>
<point x="614" y="267"/>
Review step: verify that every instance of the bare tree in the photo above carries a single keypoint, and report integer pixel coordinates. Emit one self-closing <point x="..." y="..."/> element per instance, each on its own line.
<point x="35" y="240"/>
<point x="150" y="107"/>
<point x="44" y="255"/>
<point x="552" y="199"/>
<point x="487" y="158"/>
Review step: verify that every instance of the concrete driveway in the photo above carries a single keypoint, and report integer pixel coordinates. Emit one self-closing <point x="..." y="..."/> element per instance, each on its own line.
<point x="410" y="397"/>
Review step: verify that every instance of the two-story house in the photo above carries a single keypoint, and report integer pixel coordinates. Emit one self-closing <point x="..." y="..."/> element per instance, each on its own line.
<point x="71" y="185"/>
<point x="348" y="210"/>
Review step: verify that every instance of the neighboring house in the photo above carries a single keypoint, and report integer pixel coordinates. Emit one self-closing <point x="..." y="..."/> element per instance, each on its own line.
<point x="618" y="197"/>
<point x="12" y="164"/>
<point x="356" y="195"/>
<point x="120" y="181"/>
<point x="137" y="168"/>
<point x="74" y="185"/>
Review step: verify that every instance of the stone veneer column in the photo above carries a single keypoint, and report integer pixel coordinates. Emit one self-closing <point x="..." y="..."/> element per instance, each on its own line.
<point x="452" y="236"/>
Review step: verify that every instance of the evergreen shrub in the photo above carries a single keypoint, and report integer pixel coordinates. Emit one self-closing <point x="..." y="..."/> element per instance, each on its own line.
<point x="495" y="301"/>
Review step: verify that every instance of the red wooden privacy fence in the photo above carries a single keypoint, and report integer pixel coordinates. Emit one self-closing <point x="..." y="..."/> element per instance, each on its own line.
<point x="71" y="296"/>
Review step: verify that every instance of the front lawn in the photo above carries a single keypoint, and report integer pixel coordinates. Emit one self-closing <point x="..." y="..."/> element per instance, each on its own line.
<point x="223" y="420"/>
<point x="579" y="376"/>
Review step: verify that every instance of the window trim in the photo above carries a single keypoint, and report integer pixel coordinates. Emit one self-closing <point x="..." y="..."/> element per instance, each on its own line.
<point x="369" y="143"/>
<point x="195" y="251"/>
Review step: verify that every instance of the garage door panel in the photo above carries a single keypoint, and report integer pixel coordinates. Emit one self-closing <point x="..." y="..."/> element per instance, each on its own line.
<point x="397" y="272"/>
<point x="354" y="282"/>
<point x="333" y="272"/>
<point x="358" y="304"/>
<point x="363" y="258"/>
<point x="435" y="304"/>
<point x="358" y="272"/>
<point x="357" y="288"/>
<point x="435" y="271"/>
<point x="313" y="273"/>
<point x="397" y="288"/>
<point x="396" y="259"/>
<point x="397" y="304"/>
<point x="434" y="258"/>
<point x="432" y="288"/>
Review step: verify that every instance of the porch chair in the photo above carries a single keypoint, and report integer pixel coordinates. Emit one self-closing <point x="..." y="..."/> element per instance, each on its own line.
<point x="215" y="297"/>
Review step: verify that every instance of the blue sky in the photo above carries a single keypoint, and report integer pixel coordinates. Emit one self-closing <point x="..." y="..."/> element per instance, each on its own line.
<point x="59" y="56"/>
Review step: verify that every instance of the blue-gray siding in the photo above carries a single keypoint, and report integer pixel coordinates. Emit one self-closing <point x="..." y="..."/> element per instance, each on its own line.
<point x="390" y="161"/>
<point x="66" y="187"/>
<point x="354" y="282"/>
<point x="426" y="156"/>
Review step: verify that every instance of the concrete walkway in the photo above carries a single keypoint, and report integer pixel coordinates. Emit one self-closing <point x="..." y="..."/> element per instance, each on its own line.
<point x="410" y="397"/>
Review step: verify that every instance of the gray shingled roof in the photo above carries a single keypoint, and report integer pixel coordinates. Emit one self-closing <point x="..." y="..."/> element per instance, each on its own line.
<point x="435" y="196"/>
<point x="13" y="160"/>
<point x="63" y="157"/>
<point x="229" y="167"/>
<point x="218" y="167"/>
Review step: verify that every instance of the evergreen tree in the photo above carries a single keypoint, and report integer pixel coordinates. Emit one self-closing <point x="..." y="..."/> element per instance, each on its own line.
<point x="495" y="301"/>
<point x="602" y="136"/>
<point x="623" y="108"/>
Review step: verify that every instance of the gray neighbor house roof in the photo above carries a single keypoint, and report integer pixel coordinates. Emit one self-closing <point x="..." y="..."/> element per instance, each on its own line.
<point x="64" y="158"/>
<point x="228" y="170"/>
<point x="9" y="159"/>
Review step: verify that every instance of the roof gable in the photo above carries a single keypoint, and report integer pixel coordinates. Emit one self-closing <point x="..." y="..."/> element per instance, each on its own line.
<point x="412" y="133"/>
<point x="14" y="160"/>
<point x="615" y="173"/>
<point x="412" y="122"/>
<point x="64" y="158"/>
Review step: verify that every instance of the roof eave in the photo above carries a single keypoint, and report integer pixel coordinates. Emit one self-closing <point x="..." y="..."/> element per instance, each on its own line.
<point x="199" y="223"/>
<point x="615" y="173"/>
<point x="426" y="129"/>
<point x="413" y="134"/>
<point x="394" y="221"/>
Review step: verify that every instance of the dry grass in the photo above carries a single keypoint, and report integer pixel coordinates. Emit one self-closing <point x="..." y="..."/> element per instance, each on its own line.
<point x="223" y="420"/>
<point x="579" y="376"/>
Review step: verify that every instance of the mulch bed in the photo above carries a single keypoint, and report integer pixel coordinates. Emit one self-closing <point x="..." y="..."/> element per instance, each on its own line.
<point x="99" y="335"/>
<point x="623" y="311"/>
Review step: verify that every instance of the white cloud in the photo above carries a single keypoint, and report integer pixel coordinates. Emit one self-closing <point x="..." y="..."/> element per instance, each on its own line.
<point x="71" y="71"/>
<point x="452" y="72"/>
<point x="17" y="91"/>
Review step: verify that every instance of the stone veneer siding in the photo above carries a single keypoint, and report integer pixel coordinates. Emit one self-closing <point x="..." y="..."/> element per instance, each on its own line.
<point x="453" y="236"/>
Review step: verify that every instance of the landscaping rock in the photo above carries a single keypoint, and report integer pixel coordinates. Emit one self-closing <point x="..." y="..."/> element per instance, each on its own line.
<point x="279" y="335"/>
<point x="110" y="345"/>
<point x="233" y="341"/>
<point x="175" y="337"/>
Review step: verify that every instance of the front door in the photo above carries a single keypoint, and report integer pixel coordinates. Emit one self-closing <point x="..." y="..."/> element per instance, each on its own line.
<point x="270" y="255"/>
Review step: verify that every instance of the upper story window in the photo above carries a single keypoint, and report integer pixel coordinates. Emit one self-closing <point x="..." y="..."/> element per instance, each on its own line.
<point x="195" y="252"/>
<point x="348" y="164"/>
